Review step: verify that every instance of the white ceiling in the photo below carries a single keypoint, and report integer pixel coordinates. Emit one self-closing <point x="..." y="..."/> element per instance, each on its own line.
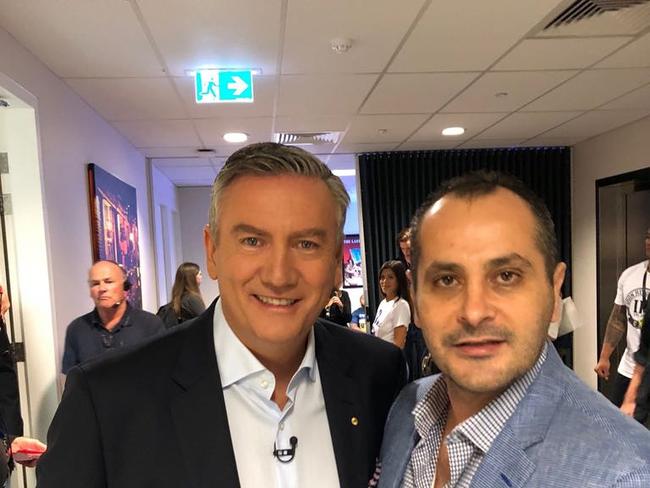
<point x="415" y="67"/>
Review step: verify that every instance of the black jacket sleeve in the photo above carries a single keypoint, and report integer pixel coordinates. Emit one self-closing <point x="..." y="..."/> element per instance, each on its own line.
<point x="11" y="423"/>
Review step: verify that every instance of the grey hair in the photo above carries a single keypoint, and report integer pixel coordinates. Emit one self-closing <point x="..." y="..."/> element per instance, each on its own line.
<point x="272" y="159"/>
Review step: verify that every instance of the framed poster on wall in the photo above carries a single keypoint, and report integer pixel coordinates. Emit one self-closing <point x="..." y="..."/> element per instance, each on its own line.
<point x="352" y="275"/>
<point x="114" y="225"/>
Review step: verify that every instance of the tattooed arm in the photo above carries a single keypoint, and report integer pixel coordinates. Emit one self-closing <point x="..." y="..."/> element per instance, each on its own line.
<point x="616" y="327"/>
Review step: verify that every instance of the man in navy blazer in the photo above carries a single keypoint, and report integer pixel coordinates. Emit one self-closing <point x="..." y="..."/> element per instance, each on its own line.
<point x="256" y="391"/>
<point x="505" y="412"/>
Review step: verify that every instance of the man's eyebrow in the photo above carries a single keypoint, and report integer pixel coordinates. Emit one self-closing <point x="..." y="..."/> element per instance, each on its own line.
<point x="443" y="266"/>
<point x="311" y="232"/>
<point x="248" y="229"/>
<point x="509" y="260"/>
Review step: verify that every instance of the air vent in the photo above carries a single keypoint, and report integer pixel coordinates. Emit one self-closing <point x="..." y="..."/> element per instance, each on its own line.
<point x="600" y="17"/>
<point x="307" y="138"/>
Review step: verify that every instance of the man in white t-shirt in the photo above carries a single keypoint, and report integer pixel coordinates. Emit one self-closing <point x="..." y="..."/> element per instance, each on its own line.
<point x="632" y="292"/>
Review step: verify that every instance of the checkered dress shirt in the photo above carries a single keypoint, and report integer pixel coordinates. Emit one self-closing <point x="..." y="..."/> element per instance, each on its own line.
<point x="469" y="441"/>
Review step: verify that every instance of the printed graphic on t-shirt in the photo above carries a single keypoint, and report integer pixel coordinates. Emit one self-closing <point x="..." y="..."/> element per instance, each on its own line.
<point x="634" y="305"/>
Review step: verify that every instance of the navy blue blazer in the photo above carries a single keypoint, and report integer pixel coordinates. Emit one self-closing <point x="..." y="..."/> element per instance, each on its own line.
<point x="155" y="416"/>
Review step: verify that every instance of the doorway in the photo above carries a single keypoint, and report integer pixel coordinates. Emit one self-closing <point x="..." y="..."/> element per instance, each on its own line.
<point x="622" y="216"/>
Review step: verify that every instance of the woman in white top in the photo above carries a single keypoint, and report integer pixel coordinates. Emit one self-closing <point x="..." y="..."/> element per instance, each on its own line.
<point x="394" y="313"/>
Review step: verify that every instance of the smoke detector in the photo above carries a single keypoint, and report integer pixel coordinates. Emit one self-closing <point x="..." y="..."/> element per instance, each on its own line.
<point x="341" y="45"/>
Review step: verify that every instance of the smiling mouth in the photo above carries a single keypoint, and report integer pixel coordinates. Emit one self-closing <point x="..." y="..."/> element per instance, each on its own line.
<point x="276" y="302"/>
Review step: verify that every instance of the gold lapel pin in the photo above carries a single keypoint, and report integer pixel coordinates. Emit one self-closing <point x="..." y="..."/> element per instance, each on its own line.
<point x="354" y="421"/>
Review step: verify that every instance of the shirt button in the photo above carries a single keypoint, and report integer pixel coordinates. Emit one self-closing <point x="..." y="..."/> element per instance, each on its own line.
<point x="264" y="384"/>
<point x="282" y="426"/>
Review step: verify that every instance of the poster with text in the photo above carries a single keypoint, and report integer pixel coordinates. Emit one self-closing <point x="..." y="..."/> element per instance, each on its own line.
<point x="352" y="276"/>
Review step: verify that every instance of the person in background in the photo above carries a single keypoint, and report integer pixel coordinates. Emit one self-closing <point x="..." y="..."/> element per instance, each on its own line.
<point x="637" y="397"/>
<point x="112" y="323"/>
<point x="418" y="358"/>
<point x="356" y="314"/>
<point x="186" y="297"/>
<point x="338" y="308"/>
<point x="394" y="313"/>
<point x="11" y="422"/>
<point x="626" y="318"/>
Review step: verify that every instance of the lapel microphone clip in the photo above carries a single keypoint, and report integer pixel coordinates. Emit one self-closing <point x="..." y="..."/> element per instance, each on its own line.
<point x="286" y="455"/>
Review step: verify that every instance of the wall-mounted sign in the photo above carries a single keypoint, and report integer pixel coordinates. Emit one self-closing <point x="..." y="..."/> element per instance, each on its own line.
<point x="223" y="86"/>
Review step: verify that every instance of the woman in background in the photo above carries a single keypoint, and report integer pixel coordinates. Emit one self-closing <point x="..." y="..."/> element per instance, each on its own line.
<point x="186" y="297"/>
<point x="394" y="313"/>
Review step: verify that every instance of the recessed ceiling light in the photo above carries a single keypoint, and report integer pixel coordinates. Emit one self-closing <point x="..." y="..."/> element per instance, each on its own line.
<point x="453" y="131"/>
<point x="235" y="137"/>
<point x="344" y="172"/>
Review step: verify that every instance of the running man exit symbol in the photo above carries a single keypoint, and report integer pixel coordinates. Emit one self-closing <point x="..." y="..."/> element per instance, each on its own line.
<point x="223" y="86"/>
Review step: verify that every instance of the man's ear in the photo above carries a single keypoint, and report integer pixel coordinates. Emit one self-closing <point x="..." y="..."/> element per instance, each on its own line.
<point x="210" y="252"/>
<point x="558" y="279"/>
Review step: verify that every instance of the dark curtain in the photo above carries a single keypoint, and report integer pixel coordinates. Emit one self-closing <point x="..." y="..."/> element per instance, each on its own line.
<point x="394" y="184"/>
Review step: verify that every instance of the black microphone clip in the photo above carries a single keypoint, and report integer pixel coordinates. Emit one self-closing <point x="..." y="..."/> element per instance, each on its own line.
<point x="286" y="455"/>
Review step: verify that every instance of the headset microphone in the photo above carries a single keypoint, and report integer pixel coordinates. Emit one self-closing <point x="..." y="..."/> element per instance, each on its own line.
<point x="286" y="453"/>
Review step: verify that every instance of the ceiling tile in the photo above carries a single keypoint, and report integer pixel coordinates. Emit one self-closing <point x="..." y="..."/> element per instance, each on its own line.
<point x="185" y="175"/>
<point x="427" y="145"/>
<point x="473" y="124"/>
<point x="375" y="33"/>
<point x="170" y="152"/>
<point x="322" y="95"/>
<point x="591" y="89"/>
<point x="212" y="130"/>
<point x="263" y="92"/>
<point x="596" y="122"/>
<point x="490" y="143"/>
<point x="341" y="161"/>
<point x="566" y="53"/>
<point x="519" y="87"/>
<point x="634" y="55"/>
<point x="362" y="148"/>
<point x="543" y="141"/>
<point x="215" y="33"/>
<point x="415" y="93"/>
<point x="524" y="125"/>
<point x="181" y="162"/>
<point x="130" y="98"/>
<point x="639" y="98"/>
<point x="365" y="128"/>
<point x="82" y="39"/>
<point x="311" y="124"/>
<point x="468" y="36"/>
<point x="160" y="133"/>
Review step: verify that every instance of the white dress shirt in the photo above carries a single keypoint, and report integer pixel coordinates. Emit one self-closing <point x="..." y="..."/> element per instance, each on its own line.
<point x="256" y="422"/>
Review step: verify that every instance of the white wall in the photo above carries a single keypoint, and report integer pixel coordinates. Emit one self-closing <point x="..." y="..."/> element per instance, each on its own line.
<point x="193" y="206"/>
<point x="71" y="135"/>
<point x="167" y="232"/>
<point x="619" y="151"/>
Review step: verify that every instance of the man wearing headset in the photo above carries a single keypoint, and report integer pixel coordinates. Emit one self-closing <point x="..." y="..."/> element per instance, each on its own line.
<point x="112" y="323"/>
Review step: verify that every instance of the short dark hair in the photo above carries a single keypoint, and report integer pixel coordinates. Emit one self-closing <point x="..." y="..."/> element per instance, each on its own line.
<point x="482" y="183"/>
<point x="403" y="235"/>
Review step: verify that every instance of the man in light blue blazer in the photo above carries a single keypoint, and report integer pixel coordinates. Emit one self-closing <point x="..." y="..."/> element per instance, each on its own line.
<point x="505" y="412"/>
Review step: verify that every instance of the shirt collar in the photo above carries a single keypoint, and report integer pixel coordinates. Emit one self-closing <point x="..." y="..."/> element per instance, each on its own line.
<point x="125" y="321"/>
<point x="484" y="426"/>
<point x="237" y="362"/>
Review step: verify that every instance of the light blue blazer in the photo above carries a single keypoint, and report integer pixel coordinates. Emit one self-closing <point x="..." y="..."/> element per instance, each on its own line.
<point x="562" y="435"/>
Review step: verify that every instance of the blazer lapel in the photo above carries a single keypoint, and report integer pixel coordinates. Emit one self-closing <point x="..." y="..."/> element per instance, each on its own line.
<point x="198" y="410"/>
<point x="345" y="410"/>
<point x="507" y="464"/>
